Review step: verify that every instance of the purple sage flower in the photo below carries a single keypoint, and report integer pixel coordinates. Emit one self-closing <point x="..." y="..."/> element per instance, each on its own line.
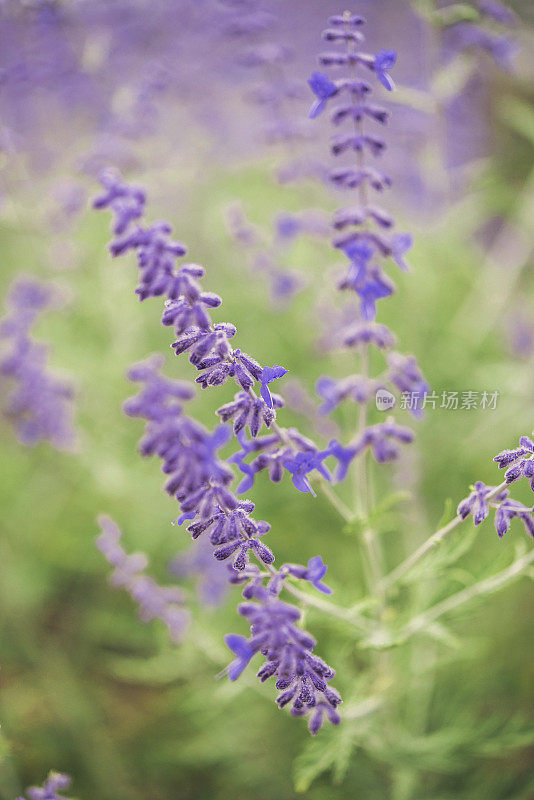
<point x="55" y="783"/>
<point x="39" y="405"/>
<point x="268" y="375"/>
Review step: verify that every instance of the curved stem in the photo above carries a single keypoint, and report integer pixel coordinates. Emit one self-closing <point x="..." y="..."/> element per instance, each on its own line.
<point x="482" y="587"/>
<point x="394" y="576"/>
<point x="333" y="610"/>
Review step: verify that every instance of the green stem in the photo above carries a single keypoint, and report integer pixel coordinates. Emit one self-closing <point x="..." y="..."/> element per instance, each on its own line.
<point x="478" y="589"/>
<point x="395" y="575"/>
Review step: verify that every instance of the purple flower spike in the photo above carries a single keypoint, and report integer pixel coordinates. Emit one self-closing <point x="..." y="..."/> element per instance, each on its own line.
<point x="241" y="649"/>
<point x="39" y="405"/>
<point x="384" y="61"/>
<point x="268" y="375"/>
<point x="323" y="88"/>
<point x="199" y="479"/>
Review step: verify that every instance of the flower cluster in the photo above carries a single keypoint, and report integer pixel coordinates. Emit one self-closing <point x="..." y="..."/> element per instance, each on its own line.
<point x="155" y="602"/>
<point x="197" y="477"/>
<point x="518" y="463"/>
<point x="56" y="782"/>
<point x="300" y="676"/>
<point x="199" y="480"/>
<point x="208" y="344"/>
<point x="366" y="233"/>
<point x="40" y="405"/>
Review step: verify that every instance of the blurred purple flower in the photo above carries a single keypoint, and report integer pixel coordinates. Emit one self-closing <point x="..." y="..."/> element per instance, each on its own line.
<point x="40" y="405"/>
<point x="56" y="782"/>
<point x="268" y="375"/>
<point x="384" y="61"/>
<point x="323" y="88"/>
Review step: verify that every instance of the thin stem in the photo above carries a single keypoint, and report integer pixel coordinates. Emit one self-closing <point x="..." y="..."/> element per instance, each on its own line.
<point x="341" y="507"/>
<point x="389" y="580"/>
<point x="364" y="708"/>
<point x="350" y="616"/>
<point x="374" y="559"/>
<point x="482" y="587"/>
<point x="329" y="608"/>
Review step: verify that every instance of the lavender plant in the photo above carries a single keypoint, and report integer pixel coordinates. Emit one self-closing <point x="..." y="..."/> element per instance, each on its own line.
<point x="155" y="602"/>
<point x="39" y="405"/>
<point x="429" y="683"/>
<point x="366" y="240"/>
<point x="200" y="478"/>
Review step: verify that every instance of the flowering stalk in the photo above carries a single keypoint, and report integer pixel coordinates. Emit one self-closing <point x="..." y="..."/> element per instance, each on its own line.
<point x="519" y="464"/>
<point x="40" y="406"/>
<point x="200" y="480"/>
<point x="365" y="242"/>
<point x="155" y="602"/>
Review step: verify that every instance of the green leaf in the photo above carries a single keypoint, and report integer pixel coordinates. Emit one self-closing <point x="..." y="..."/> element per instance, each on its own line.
<point x="316" y="758"/>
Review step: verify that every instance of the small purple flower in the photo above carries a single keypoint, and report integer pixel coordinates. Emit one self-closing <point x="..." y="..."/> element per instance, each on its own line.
<point x="382" y="439"/>
<point x="519" y="462"/>
<point x="323" y="88"/>
<point x="373" y="287"/>
<point x="404" y="373"/>
<point x="241" y="649"/>
<point x="363" y="333"/>
<point x="344" y="456"/>
<point x="304" y="463"/>
<point x="314" y="573"/>
<point x="476" y="503"/>
<point x="400" y="244"/>
<point x="268" y="375"/>
<point x="384" y="61"/>
<point x="507" y="511"/>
